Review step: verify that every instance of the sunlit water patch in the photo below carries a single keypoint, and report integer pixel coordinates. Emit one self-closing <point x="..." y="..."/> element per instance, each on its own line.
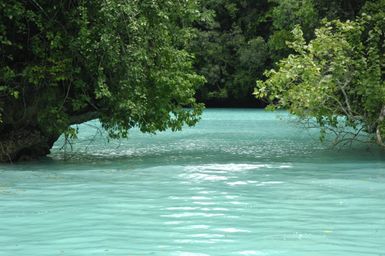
<point x="242" y="182"/>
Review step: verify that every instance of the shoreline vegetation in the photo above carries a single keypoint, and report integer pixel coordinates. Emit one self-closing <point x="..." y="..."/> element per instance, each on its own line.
<point x="155" y="64"/>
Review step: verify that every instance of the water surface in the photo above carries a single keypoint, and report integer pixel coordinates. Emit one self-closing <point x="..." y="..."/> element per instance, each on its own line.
<point x="242" y="182"/>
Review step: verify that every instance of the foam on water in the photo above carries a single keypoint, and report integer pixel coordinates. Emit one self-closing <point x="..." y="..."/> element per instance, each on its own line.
<point x="243" y="182"/>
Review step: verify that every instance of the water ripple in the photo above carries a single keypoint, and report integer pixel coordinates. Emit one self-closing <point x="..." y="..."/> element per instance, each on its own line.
<point x="255" y="186"/>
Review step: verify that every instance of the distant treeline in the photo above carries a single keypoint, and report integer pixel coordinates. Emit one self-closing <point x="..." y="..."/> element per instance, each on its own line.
<point x="238" y="39"/>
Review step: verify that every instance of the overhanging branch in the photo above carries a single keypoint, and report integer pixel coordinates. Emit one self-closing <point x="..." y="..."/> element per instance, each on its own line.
<point x="81" y="118"/>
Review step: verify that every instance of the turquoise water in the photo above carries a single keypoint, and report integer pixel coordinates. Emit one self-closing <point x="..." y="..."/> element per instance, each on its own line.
<point x="242" y="182"/>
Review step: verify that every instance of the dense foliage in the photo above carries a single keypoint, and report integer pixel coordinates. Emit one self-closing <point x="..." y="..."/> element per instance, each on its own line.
<point x="229" y="49"/>
<point x="244" y="37"/>
<point x="337" y="79"/>
<point x="140" y="63"/>
<point x="66" y="62"/>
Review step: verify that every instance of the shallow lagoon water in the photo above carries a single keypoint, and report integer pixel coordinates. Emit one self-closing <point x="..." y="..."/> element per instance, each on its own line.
<point x="242" y="182"/>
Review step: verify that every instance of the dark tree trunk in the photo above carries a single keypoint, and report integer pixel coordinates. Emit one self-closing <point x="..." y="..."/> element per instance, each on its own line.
<point x="25" y="144"/>
<point x="25" y="141"/>
<point x="381" y="119"/>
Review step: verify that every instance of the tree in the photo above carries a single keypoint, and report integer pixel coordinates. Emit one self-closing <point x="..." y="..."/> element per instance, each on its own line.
<point x="285" y="16"/>
<point x="339" y="9"/>
<point x="244" y="37"/>
<point x="337" y="79"/>
<point x="230" y="49"/>
<point x="67" y="62"/>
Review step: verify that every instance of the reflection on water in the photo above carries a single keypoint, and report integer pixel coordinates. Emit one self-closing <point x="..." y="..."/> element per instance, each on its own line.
<point x="240" y="183"/>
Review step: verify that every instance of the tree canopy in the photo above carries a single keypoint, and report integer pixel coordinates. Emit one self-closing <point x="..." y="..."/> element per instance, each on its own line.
<point x="337" y="79"/>
<point x="245" y="37"/>
<point x="66" y="62"/>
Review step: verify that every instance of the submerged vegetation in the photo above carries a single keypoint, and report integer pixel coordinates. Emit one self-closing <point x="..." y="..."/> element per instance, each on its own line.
<point x="147" y="63"/>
